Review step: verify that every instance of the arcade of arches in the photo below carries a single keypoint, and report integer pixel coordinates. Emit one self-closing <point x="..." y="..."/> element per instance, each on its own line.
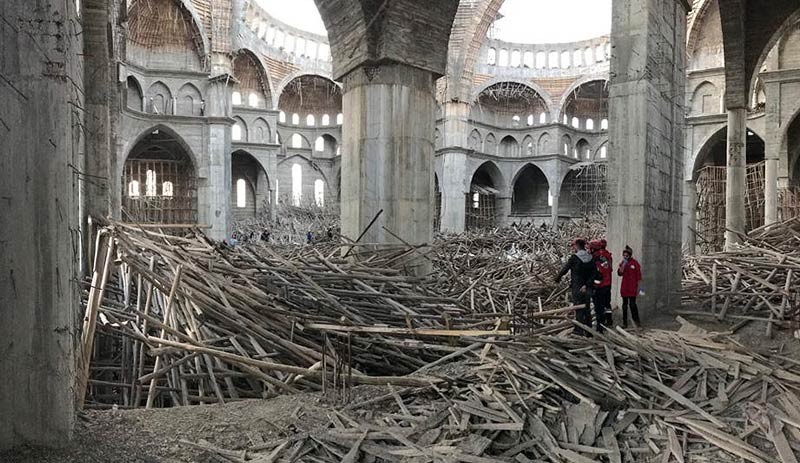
<point x="213" y="112"/>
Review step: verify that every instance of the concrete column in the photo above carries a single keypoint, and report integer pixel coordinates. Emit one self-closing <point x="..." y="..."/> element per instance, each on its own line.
<point x="40" y="136"/>
<point x="387" y="153"/>
<point x="771" y="191"/>
<point x="456" y="128"/>
<point x="453" y="187"/>
<point x="690" y="216"/>
<point x="554" y="209"/>
<point x="503" y="206"/>
<point x="646" y="138"/>
<point x="736" y="181"/>
<point x="214" y="202"/>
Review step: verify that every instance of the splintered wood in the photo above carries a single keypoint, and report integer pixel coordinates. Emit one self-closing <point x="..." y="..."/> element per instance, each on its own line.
<point x="757" y="281"/>
<point x="663" y="396"/>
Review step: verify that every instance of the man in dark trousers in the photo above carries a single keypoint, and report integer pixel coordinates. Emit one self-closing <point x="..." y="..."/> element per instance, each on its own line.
<point x="583" y="274"/>
<point x="602" y="291"/>
<point x="631" y="273"/>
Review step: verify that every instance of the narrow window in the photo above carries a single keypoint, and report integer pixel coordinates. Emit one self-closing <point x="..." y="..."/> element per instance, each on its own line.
<point x="253" y="100"/>
<point x="282" y="117"/>
<point x="326" y="119"/>
<point x="603" y="152"/>
<point x="530" y="119"/>
<point x="589" y="124"/>
<point x="300" y="47"/>
<point x="236" y="132"/>
<point x="604" y="124"/>
<point x="133" y="189"/>
<point x="297" y="184"/>
<point x="295" y="119"/>
<point x="297" y="141"/>
<point x="241" y="193"/>
<point x="319" y="193"/>
<point x="527" y="59"/>
<point x="311" y="49"/>
<point x="492" y="59"/>
<point x="236" y="98"/>
<point x="541" y="60"/>
<point x="151" y="186"/>
<point x="516" y="58"/>
<point x="167" y="190"/>
<point x="311" y="120"/>
<point x="576" y="122"/>
<point x="476" y="200"/>
<point x="543" y="118"/>
<point x="550" y="198"/>
<point x="503" y="61"/>
<point x="319" y="144"/>
<point x="339" y="119"/>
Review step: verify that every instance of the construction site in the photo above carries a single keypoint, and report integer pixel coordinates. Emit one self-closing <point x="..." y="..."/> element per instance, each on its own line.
<point x="351" y="231"/>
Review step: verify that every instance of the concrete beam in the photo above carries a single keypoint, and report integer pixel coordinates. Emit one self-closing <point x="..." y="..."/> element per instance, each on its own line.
<point x="40" y="127"/>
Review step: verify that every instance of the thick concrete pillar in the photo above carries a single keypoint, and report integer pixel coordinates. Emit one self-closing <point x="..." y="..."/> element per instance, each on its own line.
<point x="690" y="216"/>
<point x="454" y="188"/>
<point x="387" y="155"/>
<point x="736" y="181"/>
<point x="648" y="40"/>
<point x="771" y="191"/>
<point x="40" y="127"/>
<point x="214" y="202"/>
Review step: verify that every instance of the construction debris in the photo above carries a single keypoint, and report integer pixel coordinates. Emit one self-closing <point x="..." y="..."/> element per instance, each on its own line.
<point x="663" y="396"/>
<point x="757" y="281"/>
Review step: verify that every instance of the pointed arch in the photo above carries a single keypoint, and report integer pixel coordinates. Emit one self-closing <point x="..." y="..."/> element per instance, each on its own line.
<point x="166" y="34"/>
<point x="159" y="98"/>
<point x="189" y="101"/>
<point x="134" y="95"/>
<point x="253" y="78"/>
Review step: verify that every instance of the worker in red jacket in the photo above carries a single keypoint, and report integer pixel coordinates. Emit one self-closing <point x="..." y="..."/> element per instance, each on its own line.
<point x="602" y="294"/>
<point x="631" y="273"/>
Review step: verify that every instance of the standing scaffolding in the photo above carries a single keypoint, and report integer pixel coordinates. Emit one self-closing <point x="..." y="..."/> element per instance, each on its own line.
<point x="711" y="190"/>
<point x="481" y="207"/>
<point x="586" y="188"/>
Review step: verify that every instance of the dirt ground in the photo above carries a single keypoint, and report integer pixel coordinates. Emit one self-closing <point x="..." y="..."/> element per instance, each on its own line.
<point x="145" y="436"/>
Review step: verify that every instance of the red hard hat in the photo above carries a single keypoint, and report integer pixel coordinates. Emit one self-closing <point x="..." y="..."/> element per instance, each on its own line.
<point x="603" y="243"/>
<point x="596" y="244"/>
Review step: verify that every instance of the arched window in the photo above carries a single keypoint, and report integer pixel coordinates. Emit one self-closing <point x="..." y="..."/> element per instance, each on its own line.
<point x="492" y="59"/>
<point x="603" y="152"/>
<point x="566" y="149"/>
<point x="339" y="119"/>
<point x="151" y="184"/>
<point x="311" y="120"/>
<point x="236" y="132"/>
<point x="300" y="47"/>
<point x="604" y="124"/>
<point x="550" y="198"/>
<point x="527" y="59"/>
<point x="553" y="60"/>
<point x="167" y="190"/>
<point x="295" y="119"/>
<point x="588" y="56"/>
<point x="516" y="58"/>
<point x="515" y="120"/>
<point x="576" y="122"/>
<point x="530" y="119"/>
<point x="566" y="120"/>
<point x="326" y="119"/>
<point x="288" y="44"/>
<point x="589" y="124"/>
<point x="319" y="192"/>
<point x="270" y="35"/>
<point x="543" y="118"/>
<point x="277" y="138"/>
<point x="297" y="184"/>
<point x="241" y="193"/>
<point x="319" y="144"/>
<point x="541" y="60"/>
<point x="503" y="60"/>
<point x="236" y="98"/>
<point x="297" y="141"/>
<point x="324" y="53"/>
<point x="253" y="100"/>
<point x="575" y="153"/>
<point x="338" y="150"/>
<point x="600" y="53"/>
<point x="262" y="30"/>
<point x="311" y="49"/>
<point x="282" y="117"/>
<point x="577" y="58"/>
<point x="133" y="189"/>
<point x="564" y="59"/>
<point x="279" y="37"/>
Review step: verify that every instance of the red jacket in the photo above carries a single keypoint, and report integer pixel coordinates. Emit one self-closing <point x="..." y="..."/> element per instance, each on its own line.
<point x="631" y="273"/>
<point x="605" y="263"/>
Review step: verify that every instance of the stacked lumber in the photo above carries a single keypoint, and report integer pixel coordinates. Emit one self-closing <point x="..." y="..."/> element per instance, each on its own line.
<point x="290" y="225"/>
<point x="758" y="280"/>
<point x="663" y="396"/>
<point x="201" y="323"/>
<point x="510" y="270"/>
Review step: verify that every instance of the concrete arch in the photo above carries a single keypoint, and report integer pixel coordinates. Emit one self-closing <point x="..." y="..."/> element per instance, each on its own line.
<point x="186" y="107"/>
<point x="262" y="69"/>
<point x="574" y="86"/>
<point x="543" y="94"/>
<point x="521" y="168"/>
<point x="134" y="94"/>
<point x="295" y="75"/>
<point x="543" y="144"/>
<point x="130" y="145"/>
<point x="159" y="88"/>
<point x="197" y="24"/>
<point x="705" y="146"/>
<point x="305" y="142"/>
<point x="490" y="144"/>
<point x="790" y="22"/>
<point x="509" y="146"/>
<point x="256" y="160"/>
<point x="494" y="173"/>
<point x="241" y="123"/>
<point x="696" y="24"/>
<point x="475" y="140"/>
<point x="530" y="191"/>
<point x="697" y="105"/>
<point x="789" y="164"/>
<point x="261" y="124"/>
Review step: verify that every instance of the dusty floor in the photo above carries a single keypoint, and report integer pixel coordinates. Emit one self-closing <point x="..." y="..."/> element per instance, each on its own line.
<point x="144" y="436"/>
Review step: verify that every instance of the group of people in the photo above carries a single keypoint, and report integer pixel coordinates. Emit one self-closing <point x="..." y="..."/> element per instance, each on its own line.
<point x="591" y="268"/>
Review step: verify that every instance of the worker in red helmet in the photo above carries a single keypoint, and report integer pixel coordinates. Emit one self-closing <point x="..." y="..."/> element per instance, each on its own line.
<point x="583" y="274"/>
<point x="602" y="292"/>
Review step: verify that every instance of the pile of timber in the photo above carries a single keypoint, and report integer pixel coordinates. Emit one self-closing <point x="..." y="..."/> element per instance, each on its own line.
<point x="757" y="280"/>
<point x="663" y="397"/>
<point x="291" y="225"/>
<point x="510" y="270"/>
<point x="191" y="321"/>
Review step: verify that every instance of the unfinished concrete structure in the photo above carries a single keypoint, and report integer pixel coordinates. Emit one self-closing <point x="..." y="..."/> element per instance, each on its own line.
<point x="210" y="111"/>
